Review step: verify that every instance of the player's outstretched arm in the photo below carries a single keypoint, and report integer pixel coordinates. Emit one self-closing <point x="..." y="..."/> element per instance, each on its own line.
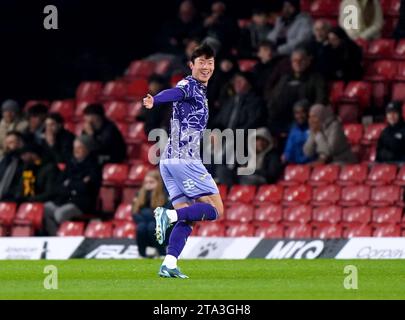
<point x="169" y="95"/>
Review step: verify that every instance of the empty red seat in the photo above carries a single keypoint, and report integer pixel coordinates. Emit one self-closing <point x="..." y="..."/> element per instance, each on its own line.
<point x="336" y="91"/>
<point x="64" y="107"/>
<point x="89" y="90"/>
<point x="114" y="90"/>
<point x="134" y="110"/>
<point x="268" y="212"/>
<point x="355" y="196"/>
<point x="211" y="229"/>
<point x="324" y="174"/>
<point x="30" y="212"/>
<point x="239" y="230"/>
<point x="326" y="195"/>
<point x="71" y="229"/>
<point x="124" y="212"/>
<point x="394" y="8"/>
<point x="116" y="110"/>
<point x="108" y="198"/>
<point x="384" y="196"/>
<point x="399" y="52"/>
<point x="239" y="212"/>
<point x="381" y="70"/>
<point x="140" y="69"/>
<point x="269" y="230"/>
<point x="357" y="230"/>
<point x="136" y="133"/>
<point x="398" y="91"/>
<point x="352" y="174"/>
<point x="128" y="194"/>
<point x="387" y="230"/>
<point x="324" y="8"/>
<point x="387" y="215"/>
<point x="400" y="75"/>
<point x="327" y="231"/>
<point x="296" y="231"/>
<point x="369" y="154"/>
<point x="296" y="174"/>
<point x="22" y="231"/>
<point x="124" y="230"/>
<point x="247" y="65"/>
<point x="358" y="92"/>
<point x="301" y="213"/>
<point x="115" y="174"/>
<point x="357" y="214"/>
<point x="7" y="212"/>
<point x="353" y="132"/>
<point x="330" y="214"/>
<point x="372" y="132"/>
<point x="137" y="174"/>
<point x="223" y="191"/>
<point x="381" y="49"/>
<point x="382" y="174"/>
<point x="269" y="194"/>
<point x="400" y="179"/>
<point x="241" y="194"/>
<point x="296" y="195"/>
<point x="98" y="229"/>
<point x="137" y="89"/>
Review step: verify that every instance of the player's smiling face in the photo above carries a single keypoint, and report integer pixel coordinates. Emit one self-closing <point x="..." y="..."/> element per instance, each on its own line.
<point x="202" y="69"/>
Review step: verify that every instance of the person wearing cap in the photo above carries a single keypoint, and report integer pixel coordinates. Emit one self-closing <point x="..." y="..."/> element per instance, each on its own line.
<point x="11" y="121"/>
<point x="391" y="144"/>
<point x="110" y="146"/>
<point x="79" y="187"/>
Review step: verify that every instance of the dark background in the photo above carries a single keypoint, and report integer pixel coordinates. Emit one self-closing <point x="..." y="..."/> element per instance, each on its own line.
<point x="96" y="40"/>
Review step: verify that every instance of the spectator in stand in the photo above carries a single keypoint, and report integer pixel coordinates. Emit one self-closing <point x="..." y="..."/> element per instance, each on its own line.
<point x="222" y="29"/>
<point x="151" y="195"/>
<point x="391" y="144"/>
<point x="327" y="141"/>
<point x="298" y="135"/>
<point x="11" y="165"/>
<point x="57" y="141"/>
<point x="36" y="123"/>
<point x="301" y="83"/>
<point x="11" y="121"/>
<point x="78" y="191"/>
<point x="254" y="34"/>
<point x="399" y="32"/>
<point x="370" y="19"/>
<point x="265" y="163"/>
<point x="292" y="28"/>
<point x="345" y="57"/>
<point x="109" y="144"/>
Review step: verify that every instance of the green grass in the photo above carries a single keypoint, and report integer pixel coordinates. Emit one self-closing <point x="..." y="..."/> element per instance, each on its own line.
<point x="209" y="279"/>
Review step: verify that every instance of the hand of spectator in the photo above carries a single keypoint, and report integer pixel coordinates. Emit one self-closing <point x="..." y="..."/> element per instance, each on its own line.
<point x="148" y="102"/>
<point x="314" y="125"/>
<point x="86" y="179"/>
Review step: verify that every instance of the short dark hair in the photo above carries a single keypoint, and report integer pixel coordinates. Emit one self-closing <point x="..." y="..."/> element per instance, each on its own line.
<point x="37" y="110"/>
<point x="204" y="50"/>
<point x="95" y="109"/>
<point x="15" y="133"/>
<point x="55" y="116"/>
<point x="268" y="44"/>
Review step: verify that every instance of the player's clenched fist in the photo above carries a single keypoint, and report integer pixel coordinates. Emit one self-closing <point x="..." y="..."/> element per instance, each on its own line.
<point x="148" y="101"/>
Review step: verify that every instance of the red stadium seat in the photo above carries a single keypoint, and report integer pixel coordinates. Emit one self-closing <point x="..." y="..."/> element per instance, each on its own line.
<point x="134" y="110"/>
<point x="398" y="91"/>
<point x="358" y="92"/>
<point x="7" y="213"/>
<point x="239" y="212"/>
<point x="349" y="113"/>
<point x="108" y="198"/>
<point x="3" y="230"/>
<point x="356" y="230"/>
<point x="115" y="174"/>
<point x="268" y="212"/>
<point x="385" y="196"/>
<point x="128" y="194"/>
<point x="136" y="133"/>
<point x="400" y="75"/>
<point x="327" y="231"/>
<point x="116" y="110"/>
<point x="223" y="191"/>
<point x="269" y="194"/>
<point x="114" y="90"/>
<point x="400" y="50"/>
<point x="296" y="195"/>
<point x="337" y="89"/>
<point x="137" y="173"/>
<point x="352" y="174"/>
<point x="30" y="212"/>
<point x="22" y="231"/>
<point x="381" y="70"/>
<point x="247" y="65"/>
<point x="295" y="175"/>
<point x="400" y="179"/>
<point x="387" y="215"/>
<point x="140" y="69"/>
<point x="394" y="8"/>
<point x="372" y="133"/>
<point x="353" y="132"/>
<point x="357" y="214"/>
<point x="211" y="229"/>
<point x="64" y="107"/>
<point x="162" y="67"/>
<point x="241" y="194"/>
<point x="239" y="230"/>
<point x="137" y="89"/>
<point x="269" y="231"/>
<point x="381" y="49"/>
<point x="301" y="213"/>
<point x="71" y="229"/>
<point x="355" y="196"/>
<point x="124" y="230"/>
<point x="324" y="174"/>
<point x="326" y="195"/>
<point x="98" y="229"/>
<point x="382" y="174"/>
<point x="387" y="230"/>
<point x="363" y="44"/>
<point x="81" y="105"/>
<point x="297" y="231"/>
<point x="370" y="154"/>
<point x="124" y="212"/>
<point x="89" y="90"/>
<point x="324" y="8"/>
<point x="329" y="214"/>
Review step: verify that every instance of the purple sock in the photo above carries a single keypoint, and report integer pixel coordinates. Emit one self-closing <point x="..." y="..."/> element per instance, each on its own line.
<point x="197" y="212"/>
<point x="178" y="238"/>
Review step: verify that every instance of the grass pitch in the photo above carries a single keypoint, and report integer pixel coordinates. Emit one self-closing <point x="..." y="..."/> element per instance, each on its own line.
<point x="209" y="279"/>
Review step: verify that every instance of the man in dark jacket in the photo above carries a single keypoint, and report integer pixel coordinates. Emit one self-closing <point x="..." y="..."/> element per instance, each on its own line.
<point x="391" y="144"/>
<point x="79" y="188"/>
<point x="109" y="144"/>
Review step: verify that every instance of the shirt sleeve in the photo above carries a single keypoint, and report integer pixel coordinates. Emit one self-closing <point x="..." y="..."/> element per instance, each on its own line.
<point x="187" y="87"/>
<point x="169" y="95"/>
